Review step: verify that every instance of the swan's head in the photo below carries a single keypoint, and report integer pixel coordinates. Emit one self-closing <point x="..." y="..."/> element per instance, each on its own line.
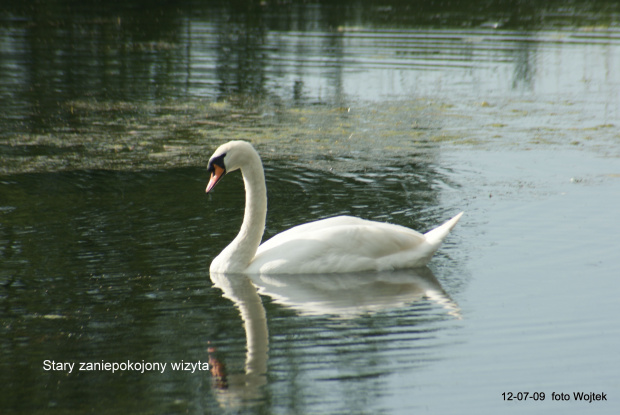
<point x="229" y="157"/>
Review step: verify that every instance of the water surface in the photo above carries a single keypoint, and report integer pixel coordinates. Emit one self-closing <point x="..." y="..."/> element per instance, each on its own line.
<point x="402" y="112"/>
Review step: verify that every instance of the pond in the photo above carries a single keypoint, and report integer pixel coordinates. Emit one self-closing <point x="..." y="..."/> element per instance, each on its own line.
<point x="405" y="113"/>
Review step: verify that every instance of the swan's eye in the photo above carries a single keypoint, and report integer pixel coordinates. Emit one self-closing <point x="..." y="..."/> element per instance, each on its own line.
<point x="217" y="169"/>
<point x="216" y="161"/>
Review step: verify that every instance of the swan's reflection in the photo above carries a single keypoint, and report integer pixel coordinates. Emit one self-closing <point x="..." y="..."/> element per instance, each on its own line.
<point x="239" y="389"/>
<point x="337" y="295"/>
<point x="352" y="294"/>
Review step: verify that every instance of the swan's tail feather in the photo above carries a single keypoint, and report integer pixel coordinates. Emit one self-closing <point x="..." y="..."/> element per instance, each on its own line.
<point x="437" y="235"/>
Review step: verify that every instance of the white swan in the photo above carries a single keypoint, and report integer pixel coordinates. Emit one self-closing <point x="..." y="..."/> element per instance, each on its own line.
<point x="338" y="244"/>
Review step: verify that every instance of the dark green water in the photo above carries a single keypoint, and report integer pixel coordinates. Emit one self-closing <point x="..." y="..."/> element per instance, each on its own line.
<point x="113" y="266"/>
<point x="406" y="112"/>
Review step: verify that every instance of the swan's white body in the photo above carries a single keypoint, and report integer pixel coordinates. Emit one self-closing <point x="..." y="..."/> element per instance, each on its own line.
<point x="338" y="244"/>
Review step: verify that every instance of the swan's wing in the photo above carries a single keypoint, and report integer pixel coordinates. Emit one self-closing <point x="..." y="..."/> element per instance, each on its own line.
<point x="317" y="225"/>
<point x="341" y="244"/>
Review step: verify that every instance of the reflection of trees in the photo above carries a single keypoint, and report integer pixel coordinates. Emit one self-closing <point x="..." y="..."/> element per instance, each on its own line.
<point x="64" y="51"/>
<point x="57" y="51"/>
<point x="524" y="61"/>
<point x="241" y="35"/>
<point x="63" y="61"/>
<point x="247" y="58"/>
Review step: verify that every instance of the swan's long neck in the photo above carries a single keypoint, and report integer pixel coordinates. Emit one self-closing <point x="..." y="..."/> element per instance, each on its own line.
<point x="242" y="249"/>
<point x="253" y="226"/>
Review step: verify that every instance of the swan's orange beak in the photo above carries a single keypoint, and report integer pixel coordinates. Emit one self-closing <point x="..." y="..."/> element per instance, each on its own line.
<point x="216" y="175"/>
